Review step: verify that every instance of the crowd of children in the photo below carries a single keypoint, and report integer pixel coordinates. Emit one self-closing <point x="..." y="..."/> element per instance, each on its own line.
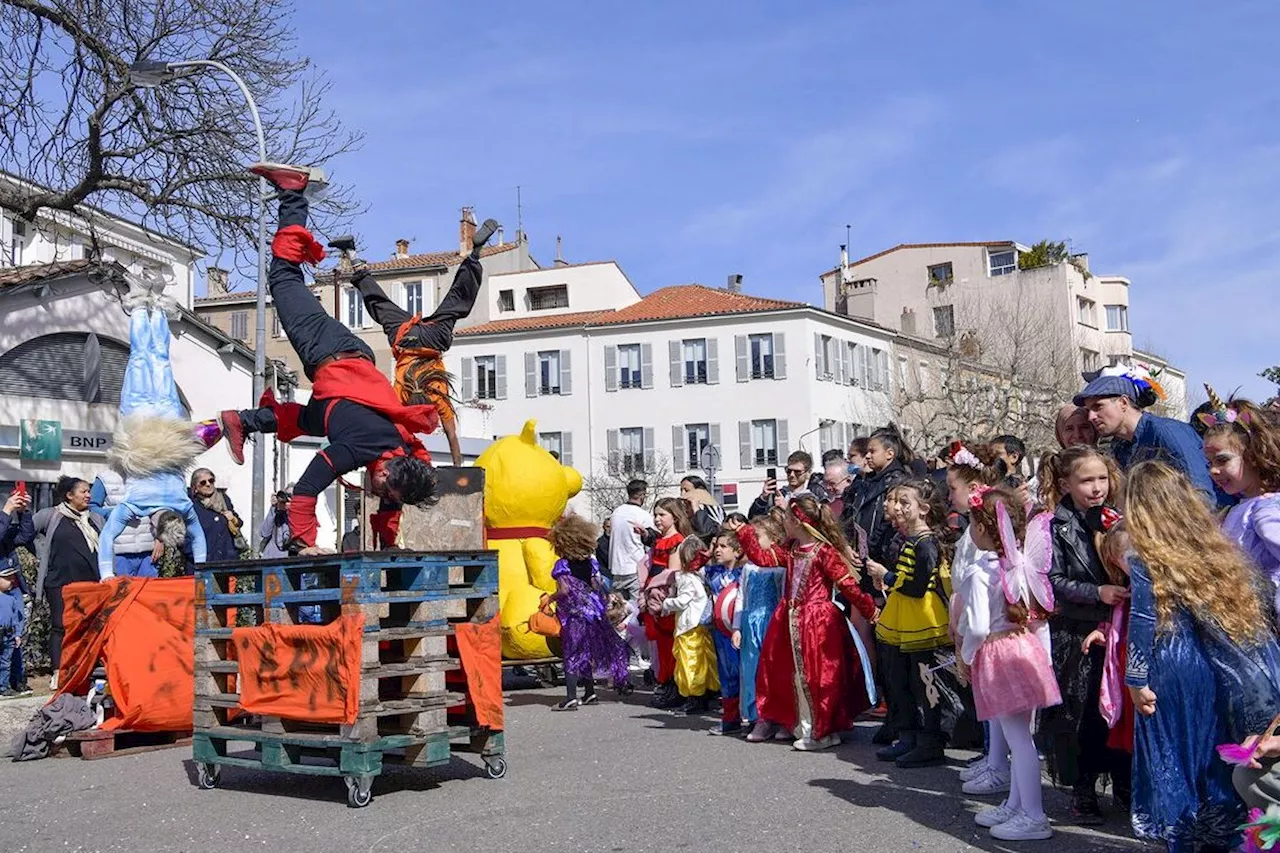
<point x="1110" y="622"/>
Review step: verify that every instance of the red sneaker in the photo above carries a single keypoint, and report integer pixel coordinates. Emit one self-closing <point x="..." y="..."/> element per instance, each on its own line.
<point x="285" y="177"/>
<point x="233" y="431"/>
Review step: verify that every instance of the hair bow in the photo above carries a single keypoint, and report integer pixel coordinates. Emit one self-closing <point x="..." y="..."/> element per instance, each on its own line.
<point x="964" y="456"/>
<point x="1110" y="518"/>
<point x="976" y="496"/>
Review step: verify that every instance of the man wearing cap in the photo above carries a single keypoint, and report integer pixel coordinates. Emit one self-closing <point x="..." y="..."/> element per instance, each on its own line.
<point x="1115" y="401"/>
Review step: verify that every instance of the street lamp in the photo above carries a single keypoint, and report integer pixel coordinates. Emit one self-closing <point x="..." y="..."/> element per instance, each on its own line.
<point x="149" y="74"/>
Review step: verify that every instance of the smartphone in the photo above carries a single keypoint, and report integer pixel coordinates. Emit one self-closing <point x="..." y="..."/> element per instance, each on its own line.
<point x="771" y="473"/>
<point x="20" y="488"/>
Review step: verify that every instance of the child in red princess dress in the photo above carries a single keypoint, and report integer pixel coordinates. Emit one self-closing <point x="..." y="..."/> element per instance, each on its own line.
<point x="810" y="673"/>
<point x="1114" y="700"/>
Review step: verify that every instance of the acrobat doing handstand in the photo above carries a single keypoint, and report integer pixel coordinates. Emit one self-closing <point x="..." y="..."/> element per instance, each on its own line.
<point x="352" y="403"/>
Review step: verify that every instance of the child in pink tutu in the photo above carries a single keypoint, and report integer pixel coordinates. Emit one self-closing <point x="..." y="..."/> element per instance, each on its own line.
<point x="1010" y="669"/>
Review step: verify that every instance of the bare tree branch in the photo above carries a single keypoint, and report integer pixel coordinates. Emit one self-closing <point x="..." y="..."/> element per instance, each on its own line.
<point x="173" y="156"/>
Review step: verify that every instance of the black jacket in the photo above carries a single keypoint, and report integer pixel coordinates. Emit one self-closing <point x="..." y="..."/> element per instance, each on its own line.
<point x="1077" y="570"/>
<point x="864" y="506"/>
<point x="219" y="540"/>
<point x="762" y="504"/>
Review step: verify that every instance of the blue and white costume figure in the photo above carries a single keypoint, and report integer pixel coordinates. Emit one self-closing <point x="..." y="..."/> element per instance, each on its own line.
<point x="721" y="578"/>
<point x="761" y="591"/>
<point x="154" y="444"/>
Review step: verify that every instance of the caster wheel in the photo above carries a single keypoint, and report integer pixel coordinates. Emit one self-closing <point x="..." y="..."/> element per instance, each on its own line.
<point x="208" y="776"/>
<point x="496" y="768"/>
<point x="359" y="791"/>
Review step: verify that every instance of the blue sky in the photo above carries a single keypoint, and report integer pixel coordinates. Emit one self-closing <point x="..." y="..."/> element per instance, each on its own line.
<point x="693" y="140"/>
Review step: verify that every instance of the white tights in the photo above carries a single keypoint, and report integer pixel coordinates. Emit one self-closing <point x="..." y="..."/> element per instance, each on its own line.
<point x="1014" y="733"/>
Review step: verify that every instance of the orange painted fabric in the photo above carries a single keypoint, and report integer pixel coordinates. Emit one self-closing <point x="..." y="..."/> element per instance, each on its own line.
<point x="301" y="672"/>
<point x="144" y="628"/>
<point x="480" y="647"/>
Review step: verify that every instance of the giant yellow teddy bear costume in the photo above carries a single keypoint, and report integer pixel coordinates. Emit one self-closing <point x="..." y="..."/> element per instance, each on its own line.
<point x="525" y="492"/>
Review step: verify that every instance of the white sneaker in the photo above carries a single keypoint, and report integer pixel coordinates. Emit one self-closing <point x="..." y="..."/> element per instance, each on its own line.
<point x="991" y="782"/>
<point x="1022" y="827"/>
<point x="995" y="815"/>
<point x="974" y="770"/>
<point x="807" y="744"/>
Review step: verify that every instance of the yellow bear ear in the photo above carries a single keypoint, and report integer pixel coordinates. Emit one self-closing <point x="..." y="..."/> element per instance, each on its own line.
<point x="529" y="435"/>
<point x="572" y="480"/>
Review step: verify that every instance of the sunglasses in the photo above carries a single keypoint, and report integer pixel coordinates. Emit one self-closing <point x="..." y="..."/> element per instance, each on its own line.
<point x="204" y="482"/>
<point x="796" y="471"/>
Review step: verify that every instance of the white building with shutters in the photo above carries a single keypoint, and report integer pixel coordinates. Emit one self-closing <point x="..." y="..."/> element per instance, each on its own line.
<point x="647" y="385"/>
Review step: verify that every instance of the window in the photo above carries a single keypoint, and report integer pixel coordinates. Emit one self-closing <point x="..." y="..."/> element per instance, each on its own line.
<point x="1089" y="360"/>
<point x="506" y="301"/>
<point x="413" y="297"/>
<point x="276" y="331"/>
<point x="552" y="442"/>
<point x="355" y="309"/>
<point x="696" y="438"/>
<point x="1002" y="263"/>
<point x="828" y="354"/>
<point x="486" y="377"/>
<point x="761" y="356"/>
<point x="1117" y="318"/>
<point x="764" y="441"/>
<point x="695" y="362"/>
<point x="1085" y="310"/>
<point x="631" y="450"/>
<point x="940" y="275"/>
<point x="545" y="298"/>
<point x="944" y="321"/>
<point x="629" y="375"/>
<point x="549" y="372"/>
<point x="240" y="325"/>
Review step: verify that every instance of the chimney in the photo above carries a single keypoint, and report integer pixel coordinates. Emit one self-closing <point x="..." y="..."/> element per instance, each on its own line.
<point x="216" y="281"/>
<point x="844" y="262"/>
<point x="502" y="240"/>
<point x="734" y="284"/>
<point x="467" y="232"/>
<point x="908" y="322"/>
<point x="560" y="261"/>
<point x="402" y="248"/>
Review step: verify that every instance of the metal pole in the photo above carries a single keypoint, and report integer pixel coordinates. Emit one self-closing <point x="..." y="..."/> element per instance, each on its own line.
<point x="257" y="508"/>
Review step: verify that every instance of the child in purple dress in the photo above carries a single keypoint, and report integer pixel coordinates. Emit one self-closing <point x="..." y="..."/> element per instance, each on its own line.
<point x="589" y="642"/>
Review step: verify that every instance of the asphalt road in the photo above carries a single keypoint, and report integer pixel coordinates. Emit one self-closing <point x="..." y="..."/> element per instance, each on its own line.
<point x="617" y="777"/>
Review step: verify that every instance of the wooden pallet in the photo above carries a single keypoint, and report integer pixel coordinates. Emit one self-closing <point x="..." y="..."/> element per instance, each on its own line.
<point x="97" y="743"/>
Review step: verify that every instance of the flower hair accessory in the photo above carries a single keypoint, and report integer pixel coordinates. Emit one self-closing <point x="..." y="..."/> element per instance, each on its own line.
<point x="976" y="496"/>
<point x="1110" y="518"/>
<point x="964" y="456"/>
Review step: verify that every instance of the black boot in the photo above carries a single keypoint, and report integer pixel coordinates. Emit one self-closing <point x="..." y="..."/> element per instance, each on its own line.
<point x="696" y="706"/>
<point x="927" y="753"/>
<point x="905" y="743"/>
<point x="885" y="735"/>
<point x="483" y="233"/>
<point x="1085" y="810"/>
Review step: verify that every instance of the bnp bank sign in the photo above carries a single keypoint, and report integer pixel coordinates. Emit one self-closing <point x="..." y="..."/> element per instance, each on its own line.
<point x="48" y="441"/>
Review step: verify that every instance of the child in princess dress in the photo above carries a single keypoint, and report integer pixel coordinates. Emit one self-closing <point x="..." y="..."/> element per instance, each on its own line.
<point x="1010" y="668"/>
<point x="688" y="600"/>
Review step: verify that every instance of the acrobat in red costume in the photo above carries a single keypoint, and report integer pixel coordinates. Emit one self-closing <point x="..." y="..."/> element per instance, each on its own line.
<point x="352" y="402"/>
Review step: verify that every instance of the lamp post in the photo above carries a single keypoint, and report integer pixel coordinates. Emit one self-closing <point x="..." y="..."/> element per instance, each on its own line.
<point x="149" y="74"/>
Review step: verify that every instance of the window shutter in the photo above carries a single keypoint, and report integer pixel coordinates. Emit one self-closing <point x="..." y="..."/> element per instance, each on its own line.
<point x="863" y="378"/>
<point x="649" y="460"/>
<point x="566" y="448"/>
<point x="678" y="452"/>
<point x="784" y="441"/>
<point x="779" y="356"/>
<point x="819" y="367"/>
<point x="610" y="368"/>
<point x="743" y="357"/>
<point x="846" y="362"/>
<point x="468" y="378"/>
<point x="841" y="362"/>
<point x="838" y="440"/>
<point x="530" y="374"/>
<point x="500" y="371"/>
<point x="566" y="374"/>
<point x="883" y="357"/>
<point x="677" y="364"/>
<point x="646" y="365"/>
<point x="713" y="433"/>
<point x="713" y="361"/>
<point x="745" y="456"/>
<point x="611" y="449"/>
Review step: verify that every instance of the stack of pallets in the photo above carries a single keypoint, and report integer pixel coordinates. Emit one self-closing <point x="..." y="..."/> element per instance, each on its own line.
<point x="413" y="708"/>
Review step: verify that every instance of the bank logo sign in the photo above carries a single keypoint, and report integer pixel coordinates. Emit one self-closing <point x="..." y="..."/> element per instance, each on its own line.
<point x="41" y="441"/>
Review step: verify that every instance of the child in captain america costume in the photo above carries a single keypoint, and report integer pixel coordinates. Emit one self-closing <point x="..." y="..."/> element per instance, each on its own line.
<point x="724" y="571"/>
<point x="352" y="403"/>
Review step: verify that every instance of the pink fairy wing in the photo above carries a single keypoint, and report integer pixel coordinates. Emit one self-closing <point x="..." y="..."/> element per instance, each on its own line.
<point x="1012" y="568"/>
<point x="1038" y="557"/>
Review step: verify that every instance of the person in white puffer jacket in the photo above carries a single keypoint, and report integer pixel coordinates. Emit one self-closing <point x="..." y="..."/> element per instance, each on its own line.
<point x="137" y="549"/>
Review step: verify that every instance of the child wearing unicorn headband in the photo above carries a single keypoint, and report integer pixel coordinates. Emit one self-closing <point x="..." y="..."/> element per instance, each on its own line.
<point x="815" y="667"/>
<point x="1242" y="447"/>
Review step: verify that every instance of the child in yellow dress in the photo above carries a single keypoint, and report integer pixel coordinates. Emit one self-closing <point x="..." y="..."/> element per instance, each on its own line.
<point x="695" y="652"/>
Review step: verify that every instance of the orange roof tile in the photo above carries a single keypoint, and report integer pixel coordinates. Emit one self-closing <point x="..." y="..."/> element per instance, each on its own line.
<point x="32" y="273"/>
<point x="432" y="259"/>
<point x="677" y="302"/>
